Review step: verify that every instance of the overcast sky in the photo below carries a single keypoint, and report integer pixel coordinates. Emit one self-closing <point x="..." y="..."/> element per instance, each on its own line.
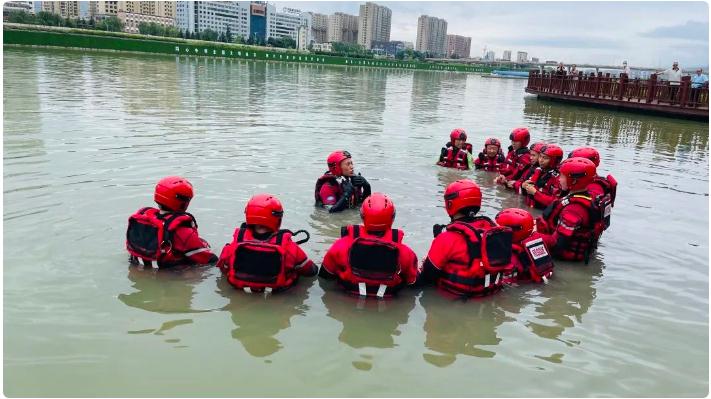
<point x="644" y="33"/>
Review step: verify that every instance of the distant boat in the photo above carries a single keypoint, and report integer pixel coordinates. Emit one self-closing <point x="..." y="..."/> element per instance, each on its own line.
<point x="510" y="74"/>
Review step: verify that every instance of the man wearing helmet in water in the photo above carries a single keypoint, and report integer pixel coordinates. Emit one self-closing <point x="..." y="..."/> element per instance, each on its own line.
<point x="167" y="236"/>
<point x="340" y="188"/>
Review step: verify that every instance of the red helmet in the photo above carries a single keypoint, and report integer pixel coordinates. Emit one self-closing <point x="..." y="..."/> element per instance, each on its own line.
<point x="553" y="152"/>
<point x="334" y="161"/>
<point x="377" y="212"/>
<point x="461" y="194"/>
<point x="492" y="141"/>
<point x="520" y="134"/>
<point x="519" y="220"/>
<point x="586" y="152"/>
<point x="579" y="172"/>
<point x="537" y="146"/>
<point x="458" y="134"/>
<point x="264" y="210"/>
<point x="173" y="193"/>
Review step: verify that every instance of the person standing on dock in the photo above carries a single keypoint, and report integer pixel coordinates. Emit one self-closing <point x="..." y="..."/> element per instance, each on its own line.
<point x="698" y="81"/>
<point x="626" y="69"/>
<point x="673" y="75"/>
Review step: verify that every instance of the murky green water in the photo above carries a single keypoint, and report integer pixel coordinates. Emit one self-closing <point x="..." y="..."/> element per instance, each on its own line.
<point x="86" y="136"/>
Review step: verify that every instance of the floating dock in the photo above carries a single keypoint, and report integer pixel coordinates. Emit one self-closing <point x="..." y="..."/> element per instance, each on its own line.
<point x="639" y="95"/>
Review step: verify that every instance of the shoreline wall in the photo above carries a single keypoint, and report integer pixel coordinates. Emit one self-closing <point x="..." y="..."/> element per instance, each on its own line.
<point x="86" y="39"/>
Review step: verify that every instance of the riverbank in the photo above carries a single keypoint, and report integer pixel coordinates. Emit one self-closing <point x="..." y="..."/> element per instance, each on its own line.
<point x="32" y="35"/>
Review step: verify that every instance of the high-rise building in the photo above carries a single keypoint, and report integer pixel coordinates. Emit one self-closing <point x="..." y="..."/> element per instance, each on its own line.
<point x="373" y="24"/>
<point x="535" y="60"/>
<point x="101" y="9"/>
<point x="490" y="56"/>
<point x="507" y="55"/>
<point x="65" y="9"/>
<point x="521" y="57"/>
<point x="21" y="6"/>
<point x="342" y="28"/>
<point x="258" y="21"/>
<point x="431" y="36"/>
<point x="458" y="46"/>
<point x="287" y="23"/>
<point x="319" y="27"/>
<point x="196" y="16"/>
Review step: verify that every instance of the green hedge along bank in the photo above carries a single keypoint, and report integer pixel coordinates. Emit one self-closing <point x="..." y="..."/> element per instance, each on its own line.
<point x="113" y="41"/>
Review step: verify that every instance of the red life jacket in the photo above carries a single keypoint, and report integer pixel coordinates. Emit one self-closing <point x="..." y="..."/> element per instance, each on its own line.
<point x="528" y="173"/>
<point x="467" y="147"/>
<point x="373" y="267"/>
<point x="328" y="178"/>
<point x="608" y="185"/>
<point x="515" y="167"/>
<point x="535" y="259"/>
<point x="545" y="181"/>
<point x="455" y="158"/>
<point x="149" y="236"/>
<point x="584" y="240"/>
<point x="256" y="265"/>
<point x="489" y="249"/>
<point x="492" y="164"/>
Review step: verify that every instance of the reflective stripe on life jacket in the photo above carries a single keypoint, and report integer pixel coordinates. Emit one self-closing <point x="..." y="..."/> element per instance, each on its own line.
<point x="373" y="267"/>
<point x="149" y="236"/>
<point x="489" y="250"/>
<point x="256" y="265"/>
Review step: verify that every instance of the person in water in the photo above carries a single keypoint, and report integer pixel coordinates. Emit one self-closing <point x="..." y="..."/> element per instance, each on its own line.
<point x="457" y="153"/>
<point x="600" y="186"/>
<point x="167" y="236"/>
<point x="491" y="158"/>
<point x="473" y="256"/>
<point x="340" y="188"/>
<point x="518" y="157"/>
<point x="531" y="258"/>
<point x="371" y="259"/>
<point x="261" y="256"/>
<point x="572" y="225"/>
<point x="543" y="187"/>
<point x="530" y="170"/>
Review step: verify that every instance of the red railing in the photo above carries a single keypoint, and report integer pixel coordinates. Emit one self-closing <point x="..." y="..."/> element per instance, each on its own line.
<point x="648" y="91"/>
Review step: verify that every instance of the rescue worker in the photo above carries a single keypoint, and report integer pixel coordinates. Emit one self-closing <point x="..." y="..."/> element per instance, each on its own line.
<point x="543" y="187"/>
<point x="262" y="257"/>
<point x="370" y="259"/>
<point x="573" y="224"/>
<point x="473" y="255"/>
<point x="529" y="172"/>
<point x="457" y="153"/>
<point x="518" y="157"/>
<point x="491" y="158"/>
<point x="600" y="186"/>
<point x="531" y="258"/>
<point x="167" y="236"/>
<point x="340" y="188"/>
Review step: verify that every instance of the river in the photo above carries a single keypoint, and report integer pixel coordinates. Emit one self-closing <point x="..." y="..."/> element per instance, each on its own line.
<point x="88" y="134"/>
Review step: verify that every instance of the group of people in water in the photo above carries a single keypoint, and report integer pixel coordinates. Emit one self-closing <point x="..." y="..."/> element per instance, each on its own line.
<point x="472" y="255"/>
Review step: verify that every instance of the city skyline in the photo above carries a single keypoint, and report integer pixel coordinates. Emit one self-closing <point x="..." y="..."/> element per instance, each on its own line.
<point x="652" y="34"/>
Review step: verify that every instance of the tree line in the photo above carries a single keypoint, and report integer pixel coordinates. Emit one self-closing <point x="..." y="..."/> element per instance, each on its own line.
<point x="111" y="24"/>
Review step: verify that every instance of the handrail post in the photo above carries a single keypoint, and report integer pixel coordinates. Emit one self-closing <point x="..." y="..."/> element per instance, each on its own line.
<point x="684" y="90"/>
<point x="623" y="85"/>
<point x="598" y="80"/>
<point x="651" y="87"/>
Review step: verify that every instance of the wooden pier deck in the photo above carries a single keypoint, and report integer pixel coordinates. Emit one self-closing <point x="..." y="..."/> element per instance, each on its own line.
<point x="648" y="95"/>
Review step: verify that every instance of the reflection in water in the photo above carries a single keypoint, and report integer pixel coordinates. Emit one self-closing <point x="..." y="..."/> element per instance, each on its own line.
<point x="367" y="322"/>
<point x="259" y="317"/>
<point x="457" y="327"/>
<point x="569" y="297"/>
<point x="164" y="291"/>
<point x="609" y="128"/>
